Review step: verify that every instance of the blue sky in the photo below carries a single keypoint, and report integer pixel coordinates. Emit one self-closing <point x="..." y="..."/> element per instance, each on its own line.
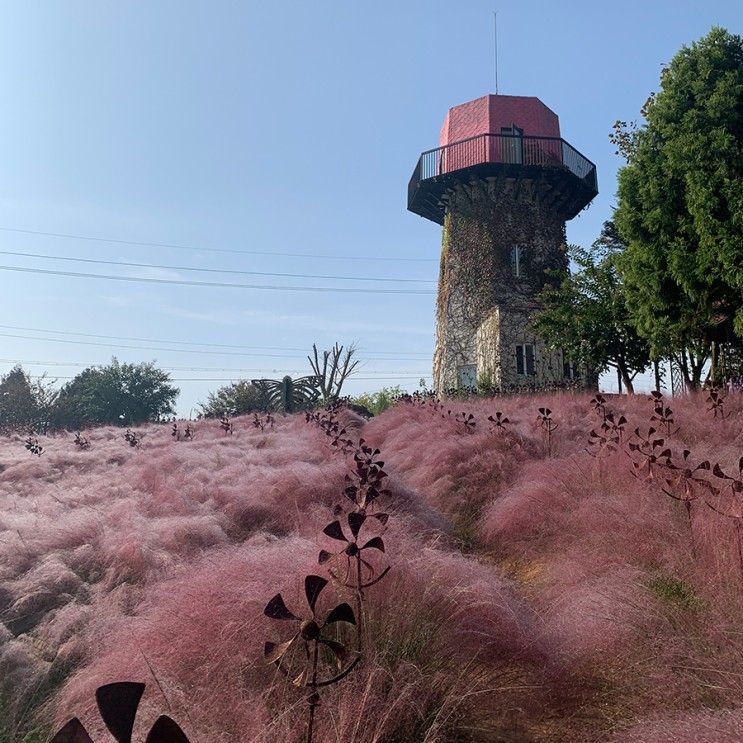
<point x="273" y="128"/>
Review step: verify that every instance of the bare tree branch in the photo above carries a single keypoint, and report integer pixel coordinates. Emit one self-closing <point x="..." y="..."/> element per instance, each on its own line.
<point x="337" y="365"/>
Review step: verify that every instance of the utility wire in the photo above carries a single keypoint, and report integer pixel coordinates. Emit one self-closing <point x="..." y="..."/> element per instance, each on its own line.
<point x="195" y="368"/>
<point x="189" y="343"/>
<point x="129" y="264"/>
<point x="179" y="350"/>
<point x="232" y="379"/>
<point x="176" y="246"/>
<point x="216" y="284"/>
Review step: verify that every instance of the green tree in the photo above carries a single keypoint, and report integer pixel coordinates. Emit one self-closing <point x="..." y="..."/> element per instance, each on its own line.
<point x="680" y="207"/>
<point x="118" y="394"/>
<point x="586" y="315"/>
<point x="18" y="405"/>
<point x="237" y="398"/>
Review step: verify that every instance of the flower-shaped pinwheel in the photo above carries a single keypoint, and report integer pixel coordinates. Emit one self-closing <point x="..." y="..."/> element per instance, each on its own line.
<point x="310" y="635"/>
<point x="548" y="428"/>
<point x="369" y="475"/>
<point x="651" y="453"/>
<point x="717" y="403"/>
<point x="687" y="478"/>
<point x="353" y="550"/>
<point x="118" y="705"/>
<point x="499" y="422"/>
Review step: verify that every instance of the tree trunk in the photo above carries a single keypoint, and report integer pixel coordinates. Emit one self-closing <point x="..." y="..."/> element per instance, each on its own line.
<point x="684" y="365"/>
<point x="626" y="378"/>
<point x="656" y="370"/>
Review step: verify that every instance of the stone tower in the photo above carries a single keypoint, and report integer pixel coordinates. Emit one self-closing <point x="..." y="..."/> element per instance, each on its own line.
<point x="502" y="184"/>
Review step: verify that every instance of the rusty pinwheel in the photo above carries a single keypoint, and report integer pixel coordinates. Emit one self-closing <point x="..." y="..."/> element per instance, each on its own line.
<point x="311" y="638"/>
<point x="353" y="551"/>
<point x="118" y="704"/>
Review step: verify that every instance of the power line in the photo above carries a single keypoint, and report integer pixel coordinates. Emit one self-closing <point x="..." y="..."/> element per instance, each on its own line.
<point x="178" y="350"/>
<point x="215" y="284"/>
<point x="129" y="264"/>
<point x="186" y="343"/>
<point x="29" y="362"/>
<point x="176" y="246"/>
<point x="37" y="362"/>
<point x="232" y="379"/>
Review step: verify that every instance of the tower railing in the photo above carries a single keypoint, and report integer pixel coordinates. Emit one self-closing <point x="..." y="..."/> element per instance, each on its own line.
<point x="506" y="149"/>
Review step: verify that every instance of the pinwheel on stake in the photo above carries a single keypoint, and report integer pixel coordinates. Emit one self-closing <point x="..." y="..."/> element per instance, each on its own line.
<point x="610" y="438"/>
<point x="354" y="577"/>
<point x="353" y="550"/>
<point x="662" y="414"/>
<point x="684" y="486"/>
<point x="369" y="474"/>
<point x="598" y="403"/>
<point x="717" y="403"/>
<point x="499" y="422"/>
<point x="652" y="453"/>
<point x="309" y="636"/>
<point x="687" y="477"/>
<point x="466" y="420"/>
<point x="548" y="426"/>
<point x="118" y="704"/>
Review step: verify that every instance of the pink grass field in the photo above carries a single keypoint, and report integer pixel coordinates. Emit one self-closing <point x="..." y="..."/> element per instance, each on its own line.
<point x="529" y="598"/>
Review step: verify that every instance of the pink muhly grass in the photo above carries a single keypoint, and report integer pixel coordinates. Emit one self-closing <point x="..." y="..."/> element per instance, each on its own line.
<point x="447" y="467"/>
<point x="201" y="635"/>
<point x="154" y="563"/>
<point x="706" y="726"/>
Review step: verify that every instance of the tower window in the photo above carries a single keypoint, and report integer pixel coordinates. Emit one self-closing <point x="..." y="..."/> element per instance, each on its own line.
<point x="517" y="261"/>
<point x="525" y="359"/>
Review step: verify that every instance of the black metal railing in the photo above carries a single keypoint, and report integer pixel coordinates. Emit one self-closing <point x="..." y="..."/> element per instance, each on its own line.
<point x="507" y="149"/>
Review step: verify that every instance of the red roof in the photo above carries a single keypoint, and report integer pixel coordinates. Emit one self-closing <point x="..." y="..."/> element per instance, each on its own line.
<point x="493" y="113"/>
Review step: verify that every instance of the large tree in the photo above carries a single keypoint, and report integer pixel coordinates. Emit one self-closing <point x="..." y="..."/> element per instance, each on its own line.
<point x="680" y="206"/>
<point x="586" y="316"/>
<point x="118" y="394"/>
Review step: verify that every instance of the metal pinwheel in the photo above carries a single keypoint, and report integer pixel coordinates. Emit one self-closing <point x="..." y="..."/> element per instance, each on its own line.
<point x="309" y="635"/>
<point x="353" y="551"/>
<point x="368" y="482"/>
<point x="118" y="704"/>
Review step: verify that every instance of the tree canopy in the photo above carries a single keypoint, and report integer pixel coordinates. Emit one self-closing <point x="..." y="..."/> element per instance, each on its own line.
<point x="586" y="317"/>
<point x="117" y="394"/>
<point x="680" y="206"/>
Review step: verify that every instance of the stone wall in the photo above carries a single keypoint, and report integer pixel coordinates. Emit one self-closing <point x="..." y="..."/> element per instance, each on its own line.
<point x="483" y="309"/>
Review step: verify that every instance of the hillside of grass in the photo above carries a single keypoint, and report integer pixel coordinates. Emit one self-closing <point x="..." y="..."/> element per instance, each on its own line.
<point x="585" y="589"/>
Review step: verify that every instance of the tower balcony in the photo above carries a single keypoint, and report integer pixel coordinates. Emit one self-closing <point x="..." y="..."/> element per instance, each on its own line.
<point x="562" y="177"/>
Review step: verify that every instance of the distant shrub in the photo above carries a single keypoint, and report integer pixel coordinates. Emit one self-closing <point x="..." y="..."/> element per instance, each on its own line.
<point x="237" y="398"/>
<point x="379" y="401"/>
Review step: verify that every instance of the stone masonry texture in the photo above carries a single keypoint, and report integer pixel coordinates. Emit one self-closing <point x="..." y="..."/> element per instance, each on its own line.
<point x="483" y="310"/>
